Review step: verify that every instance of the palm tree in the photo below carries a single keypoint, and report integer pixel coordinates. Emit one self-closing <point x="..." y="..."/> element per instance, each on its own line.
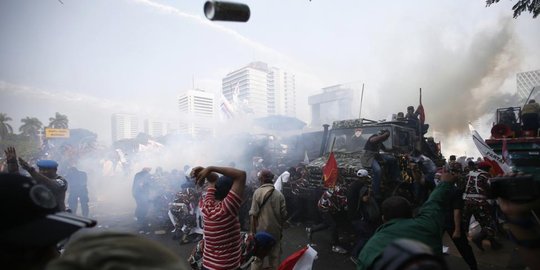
<point x="30" y="126"/>
<point x="5" y="128"/>
<point x="59" y="121"/>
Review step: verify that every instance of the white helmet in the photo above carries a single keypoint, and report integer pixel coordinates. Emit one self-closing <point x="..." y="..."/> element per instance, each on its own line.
<point x="363" y="173"/>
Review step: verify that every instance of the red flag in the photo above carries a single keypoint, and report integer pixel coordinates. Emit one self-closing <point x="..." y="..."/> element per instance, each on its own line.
<point x="330" y="172"/>
<point x="421" y="113"/>
<point x="420" y="110"/>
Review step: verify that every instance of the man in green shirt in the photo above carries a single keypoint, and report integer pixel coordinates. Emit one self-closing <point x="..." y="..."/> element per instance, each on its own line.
<point x="427" y="227"/>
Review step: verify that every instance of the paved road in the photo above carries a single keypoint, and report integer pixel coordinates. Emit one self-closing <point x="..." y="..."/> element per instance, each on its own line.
<point x="120" y="218"/>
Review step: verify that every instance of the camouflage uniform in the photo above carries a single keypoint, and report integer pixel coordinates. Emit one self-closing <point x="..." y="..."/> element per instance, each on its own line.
<point x="477" y="204"/>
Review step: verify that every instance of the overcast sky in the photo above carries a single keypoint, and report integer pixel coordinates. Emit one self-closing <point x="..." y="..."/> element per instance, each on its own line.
<point x="88" y="59"/>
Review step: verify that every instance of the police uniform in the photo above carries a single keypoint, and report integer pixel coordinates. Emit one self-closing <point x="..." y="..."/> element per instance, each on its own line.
<point x="59" y="184"/>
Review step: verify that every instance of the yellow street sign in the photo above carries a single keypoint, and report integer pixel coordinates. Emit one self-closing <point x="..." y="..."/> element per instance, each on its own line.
<point x="56" y="133"/>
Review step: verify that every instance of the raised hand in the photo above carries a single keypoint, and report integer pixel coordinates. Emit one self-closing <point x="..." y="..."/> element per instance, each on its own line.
<point x="11" y="154"/>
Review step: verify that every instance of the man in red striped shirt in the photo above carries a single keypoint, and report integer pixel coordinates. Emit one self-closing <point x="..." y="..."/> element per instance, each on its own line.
<point x="220" y="216"/>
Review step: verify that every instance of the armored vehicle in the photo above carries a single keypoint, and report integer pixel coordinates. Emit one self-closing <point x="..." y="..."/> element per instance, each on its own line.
<point x="349" y="137"/>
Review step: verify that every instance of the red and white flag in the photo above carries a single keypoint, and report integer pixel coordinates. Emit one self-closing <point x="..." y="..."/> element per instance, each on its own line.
<point x="498" y="165"/>
<point x="300" y="260"/>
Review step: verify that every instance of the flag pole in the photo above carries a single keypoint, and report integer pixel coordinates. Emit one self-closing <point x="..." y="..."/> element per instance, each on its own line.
<point x="419" y="146"/>
<point x="361" y="102"/>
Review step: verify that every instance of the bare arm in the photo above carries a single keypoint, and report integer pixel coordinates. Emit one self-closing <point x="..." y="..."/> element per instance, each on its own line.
<point x="253" y="224"/>
<point x="40" y="178"/>
<point x="238" y="177"/>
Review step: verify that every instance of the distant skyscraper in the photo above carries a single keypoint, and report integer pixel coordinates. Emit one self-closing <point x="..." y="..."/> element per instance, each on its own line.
<point x="197" y="110"/>
<point x="156" y="128"/>
<point x="526" y="81"/>
<point x="124" y="126"/>
<point x="336" y="102"/>
<point x="261" y="90"/>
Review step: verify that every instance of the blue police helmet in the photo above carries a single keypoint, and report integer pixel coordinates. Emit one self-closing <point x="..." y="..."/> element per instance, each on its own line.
<point x="47" y="164"/>
<point x="264" y="239"/>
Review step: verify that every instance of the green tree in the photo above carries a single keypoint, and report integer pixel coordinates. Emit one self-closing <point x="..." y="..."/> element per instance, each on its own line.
<point x="58" y="121"/>
<point x="533" y="6"/>
<point x="30" y="127"/>
<point x="5" y="128"/>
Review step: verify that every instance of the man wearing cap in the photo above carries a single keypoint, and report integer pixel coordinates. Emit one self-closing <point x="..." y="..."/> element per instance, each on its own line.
<point x="478" y="205"/>
<point x="46" y="175"/>
<point x="33" y="225"/>
<point x="268" y="213"/>
<point x="362" y="211"/>
<point x="220" y="207"/>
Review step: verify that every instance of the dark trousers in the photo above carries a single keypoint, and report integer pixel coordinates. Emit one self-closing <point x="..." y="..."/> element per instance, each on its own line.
<point x="530" y="121"/>
<point x="462" y="245"/>
<point x="364" y="231"/>
<point x="297" y="208"/>
<point x="328" y="222"/>
<point x="141" y="211"/>
<point x="75" y="199"/>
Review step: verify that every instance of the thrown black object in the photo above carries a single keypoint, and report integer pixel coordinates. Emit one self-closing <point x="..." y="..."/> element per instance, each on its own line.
<point x="226" y="11"/>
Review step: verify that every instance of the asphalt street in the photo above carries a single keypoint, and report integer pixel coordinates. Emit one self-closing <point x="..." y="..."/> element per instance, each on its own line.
<point x="118" y="217"/>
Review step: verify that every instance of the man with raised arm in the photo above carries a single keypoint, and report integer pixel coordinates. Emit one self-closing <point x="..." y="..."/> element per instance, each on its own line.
<point x="220" y="208"/>
<point x="46" y="175"/>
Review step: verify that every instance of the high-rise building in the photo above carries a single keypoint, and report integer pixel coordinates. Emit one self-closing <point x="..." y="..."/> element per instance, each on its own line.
<point x="197" y="111"/>
<point x="124" y="126"/>
<point x="336" y="102"/>
<point x="261" y="90"/>
<point x="526" y="81"/>
<point x="156" y="128"/>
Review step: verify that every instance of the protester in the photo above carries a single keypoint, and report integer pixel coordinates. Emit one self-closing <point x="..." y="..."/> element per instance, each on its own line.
<point x="428" y="169"/>
<point x="477" y="204"/>
<point x="427" y="227"/>
<point x="332" y="202"/>
<point x="141" y="193"/>
<point x="410" y="255"/>
<point x="284" y="178"/>
<point x="220" y="215"/>
<point x="369" y="160"/>
<point x="33" y="224"/>
<point x="457" y="227"/>
<point x="523" y="228"/>
<point x="363" y="212"/>
<point x="257" y="247"/>
<point x="268" y="213"/>
<point x="530" y="116"/>
<point x="46" y="175"/>
<point x="297" y="200"/>
<point x="77" y="190"/>
<point x="116" y="250"/>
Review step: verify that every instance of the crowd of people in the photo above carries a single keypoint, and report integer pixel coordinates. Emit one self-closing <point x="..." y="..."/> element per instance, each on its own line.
<point x="245" y="212"/>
